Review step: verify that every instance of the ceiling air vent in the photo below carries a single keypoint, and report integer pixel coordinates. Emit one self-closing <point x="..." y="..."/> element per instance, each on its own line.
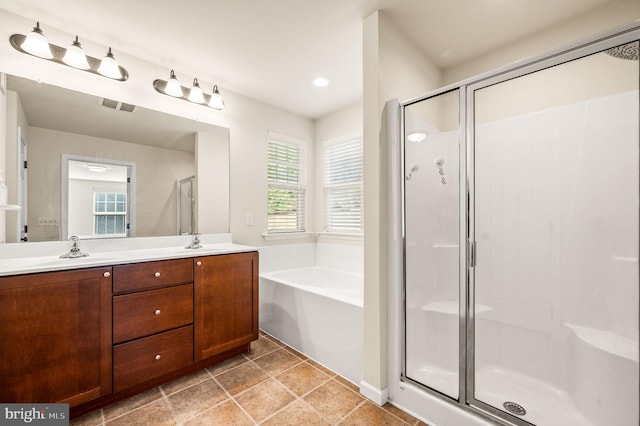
<point x="120" y="106"/>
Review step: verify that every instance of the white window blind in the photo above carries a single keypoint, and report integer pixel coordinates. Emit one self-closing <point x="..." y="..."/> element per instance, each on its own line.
<point x="109" y="212"/>
<point x="343" y="177"/>
<point x="286" y="185"/>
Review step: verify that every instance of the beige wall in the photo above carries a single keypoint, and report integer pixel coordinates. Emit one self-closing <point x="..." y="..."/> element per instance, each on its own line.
<point x="393" y="68"/>
<point x="212" y="189"/>
<point x="157" y="170"/>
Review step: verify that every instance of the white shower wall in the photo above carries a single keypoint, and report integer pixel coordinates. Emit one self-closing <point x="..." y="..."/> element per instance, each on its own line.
<point x="557" y="244"/>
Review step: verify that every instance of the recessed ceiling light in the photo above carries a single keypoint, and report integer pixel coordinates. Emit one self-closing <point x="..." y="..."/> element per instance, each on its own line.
<point x="321" y="82"/>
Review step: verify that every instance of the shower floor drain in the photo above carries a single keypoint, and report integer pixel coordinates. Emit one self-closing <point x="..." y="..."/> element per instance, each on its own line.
<point x="514" y="408"/>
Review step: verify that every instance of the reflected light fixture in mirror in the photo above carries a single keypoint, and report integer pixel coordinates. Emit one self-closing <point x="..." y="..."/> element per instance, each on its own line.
<point x="36" y="44"/>
<point x="194" y="94"/>
<point x="416" y="137"/>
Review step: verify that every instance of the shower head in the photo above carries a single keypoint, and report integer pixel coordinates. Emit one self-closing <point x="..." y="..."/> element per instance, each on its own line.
<point x="627" y="51"/>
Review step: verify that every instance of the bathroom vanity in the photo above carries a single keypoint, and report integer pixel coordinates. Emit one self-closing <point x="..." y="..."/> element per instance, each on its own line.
<point x="89" y="336"/>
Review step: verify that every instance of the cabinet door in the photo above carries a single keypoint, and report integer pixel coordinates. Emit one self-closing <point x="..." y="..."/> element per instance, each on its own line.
<point x="55" y="336"/>
<point x="226" y="302"/>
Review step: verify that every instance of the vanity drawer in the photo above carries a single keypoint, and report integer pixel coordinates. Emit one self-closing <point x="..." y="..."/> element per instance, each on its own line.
<point x="145" y="359"/>
<point x="147" y="275"/>
<point x="148" y="312"/>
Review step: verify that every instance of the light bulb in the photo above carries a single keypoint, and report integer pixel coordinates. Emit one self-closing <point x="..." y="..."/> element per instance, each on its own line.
<point x="195" y="94"/>
<point x="216" y="101"/>
<point x="109" y="67"/>
<point x="75" y="56"/>
<point x="173" y="87"/>
<point x="37" y="44"/>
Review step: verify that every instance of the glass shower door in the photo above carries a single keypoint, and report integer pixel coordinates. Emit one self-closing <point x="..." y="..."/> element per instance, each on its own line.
<point x="431" y="186"/>
<point x="555" y="285"/>
<point x="186" y="206"/>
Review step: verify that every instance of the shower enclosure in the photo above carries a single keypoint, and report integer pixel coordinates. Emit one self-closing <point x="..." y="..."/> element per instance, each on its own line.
<point x="186" y="202"/>
<point x="520" y="225"/>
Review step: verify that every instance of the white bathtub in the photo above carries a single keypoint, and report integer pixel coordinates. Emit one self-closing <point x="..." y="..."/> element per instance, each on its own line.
<point x="317" y="311"/>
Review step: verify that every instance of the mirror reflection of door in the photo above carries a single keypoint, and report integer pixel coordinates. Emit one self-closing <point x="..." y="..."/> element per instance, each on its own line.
<point x="186" y="206"/>
<point x="99" y="199"/>
<point x="22" y="186"/>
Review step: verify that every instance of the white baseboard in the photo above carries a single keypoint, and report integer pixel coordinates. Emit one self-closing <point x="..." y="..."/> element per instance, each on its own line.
<point x="379" y="396"/>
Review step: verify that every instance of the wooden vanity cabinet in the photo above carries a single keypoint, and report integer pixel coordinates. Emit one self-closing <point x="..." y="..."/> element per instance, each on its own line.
<point x="152" y="320"/>
<point x="226" y="303"/>
<point x="91" y="337"/>
<point x="55" y="336"/>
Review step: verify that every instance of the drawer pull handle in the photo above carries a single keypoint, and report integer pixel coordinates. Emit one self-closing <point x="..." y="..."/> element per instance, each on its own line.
<point x="107" y="274"/>
<point x="157" y="312"/>
<point x="157" y="274"/>
<point x="199" y="263"/>
<point x="157" y="357"/>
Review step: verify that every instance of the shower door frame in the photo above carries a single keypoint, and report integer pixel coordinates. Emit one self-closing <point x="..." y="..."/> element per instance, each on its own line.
<point x="466" y="88"/>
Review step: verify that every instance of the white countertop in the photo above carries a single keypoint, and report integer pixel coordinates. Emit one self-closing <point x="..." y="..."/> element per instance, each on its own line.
<point x="131" y="253"/>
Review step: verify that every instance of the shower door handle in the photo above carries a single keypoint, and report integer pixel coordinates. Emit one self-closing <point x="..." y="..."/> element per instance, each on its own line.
<point x="472" y="254"/>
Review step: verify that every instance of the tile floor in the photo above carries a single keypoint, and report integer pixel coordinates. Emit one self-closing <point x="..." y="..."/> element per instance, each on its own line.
<point x="270" y="385"/>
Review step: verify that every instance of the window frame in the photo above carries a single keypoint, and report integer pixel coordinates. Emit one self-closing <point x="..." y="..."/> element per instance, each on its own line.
<point x="328" y="188"/>
<point x="106" y="213"/>
<point x="301" y="185"/>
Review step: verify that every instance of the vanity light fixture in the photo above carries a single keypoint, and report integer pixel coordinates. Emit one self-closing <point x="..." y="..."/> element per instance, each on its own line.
<point x="36" y="44"/>
<point x="194" y="94"/>
<point x="75" y="56"/>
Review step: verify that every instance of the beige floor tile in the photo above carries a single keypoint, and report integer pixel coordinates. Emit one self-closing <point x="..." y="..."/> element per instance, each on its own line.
<point x="333" y="401"/>
<point x="401" y="414"/>
<point x="296" y="414"/>
<point x="347" y="383"/>
<point x="157" y="413"/>
<point x="94" y="418"/>
<point x="302" y="378"/>
<point x="369" y="414"/>
<point x="185" y="381"/>
<point x="119" y="408"/>
<point x="322" y="368"/>
<point x="296" y="353"/>
<point x="195" y="399"/>
<point x="261" y="347"/>
<point x="241" y="378"/>
<point x="264" y="399"/>
<point x="227" y="365"/>
<point x="277" y="361"/>
<point x="227" y="413"/>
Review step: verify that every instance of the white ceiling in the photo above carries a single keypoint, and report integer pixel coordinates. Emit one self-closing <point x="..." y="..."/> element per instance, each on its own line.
<point x="271" y="50"/>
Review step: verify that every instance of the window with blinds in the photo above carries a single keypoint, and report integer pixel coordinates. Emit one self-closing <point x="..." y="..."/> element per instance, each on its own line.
<point x="343" y="187"/>
<point x="286" y="183"/>
<point x="109" y="213"/>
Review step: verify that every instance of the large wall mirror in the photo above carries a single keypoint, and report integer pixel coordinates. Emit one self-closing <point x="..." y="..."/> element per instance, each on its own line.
<point x="71" y="142"/>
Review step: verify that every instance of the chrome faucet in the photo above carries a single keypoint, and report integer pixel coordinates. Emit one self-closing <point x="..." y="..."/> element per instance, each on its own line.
<point x="195" y="242"/>
<point x="74" y="251"/>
